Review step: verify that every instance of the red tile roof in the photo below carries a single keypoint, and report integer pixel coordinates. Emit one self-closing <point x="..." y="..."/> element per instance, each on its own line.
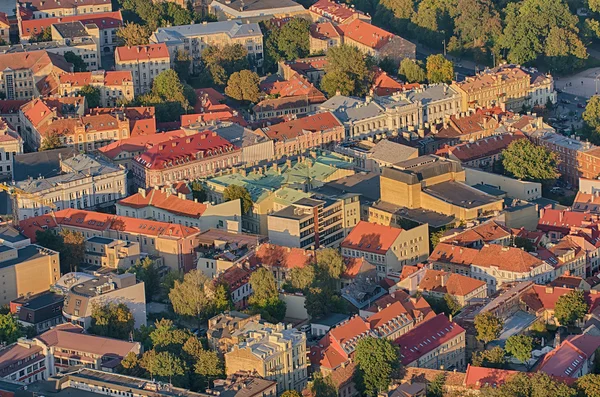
<point x="4" y="20"/>
<point x="452" y="254"/>
<point x="142" y="52"/>
<point x="138" y="143"/>
<point x="450" y="283"/>
<point x="317" y="123"/>
<point x="324" y="31"/>
<point x="235" y="277"/>
<point x="570" y="356"/>
<point x="165" y="201"/>
<point x="371" y="237"/>
<point x="187" y="148"/>
<point x="367" y="34"/>
<point x="356" y="266"/>
<point x="142" y="119"/>
<point x="337" y="12"/>
<point x="482" y="148"/>
<point x="427" y="336"/>
<point x="385" y="85"/>
<point x="275" y="256"/>
<point x="564" y="220"/>
<point x="478" y="377"/>
<point x="566" y="281"/>
<point x="587" y="202"/>
<point x="111" y="77"/>
<point x="486" y="232"/>
<point x="104" y="20"/>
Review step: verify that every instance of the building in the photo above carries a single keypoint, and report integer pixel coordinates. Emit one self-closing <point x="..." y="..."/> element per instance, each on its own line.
<point x="463" y="289"/>
<point x="193" y="39"/>
<point x="31" y="270"/>
<point x="111" y="253"/>
<point x="4" y="28"/>
<point x="386" y="247"/>
<point x="237" y="280"/>
<point x="437" y="343"/>
<point x="490" y="232"/>
<point x="101" y="290"/>
<point x="432" y="183"/>
<point x="573" y="358"/>
<point x="377" y="42"/>
<point x="244" y="384"/>
<point x="107" y="22"/>
<point x="275" y="353"/>
<point x="84" y="183"/>
<point x="11" y="144"/>
<point x="280" y="260"/>
<point x="255" y="10"/>
<point x="559" y="223"/>
<point x="22" y="362"/>
<point x="482" y="153"/>
<point x="41" y="9"/>
<point x="41" y="311"/>
<point x="338" y="13"/>
<point x="514" y="188"/>
<point x="114" y="87"/>
<point x="186" y="158"/>
<point x="83" y="41"/>
<point x="223" y="329"/>
<point x="165" y="204"/>
<point x="323" y="36"/>
<point x="145" y="62"/>
<point x="26" y="75"/>
<point x="513" y="85"/>
<point x="142" y="119"/>
<point x="374" y="157"/>
<point x="175" y="244"/>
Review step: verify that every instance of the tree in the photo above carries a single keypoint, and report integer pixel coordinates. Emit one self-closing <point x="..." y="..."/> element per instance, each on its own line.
<point x="303" y="277"/>
<point x="330" y="263"/>
<point x="163" y="364"/>
<point x="452" y="304"/>
<point x="439" y="69"/>
<point x="591" y="117"/>
<point x="288" y="42"/>
<point x="589" y="385"/>
<point x="92" y="95"/>
<point x="133" y="34"/>
<point x="526" y="161"/>
<point x="412" y="71"/>
<point x="530" y="385"/>
<point x="347" y="71"/>
<point x="49" y="239"/>
<point x="198" y="192"/>
<point x="323" y="386"/>
<point x="477" y="24"/>
<point x="265" y="297"/>
<point x="220" y="297"/>
<point x="165" y="337"/>
<point x="234" y="192"/>
<point x="520" y="347"/>
<point x="243" y="86"/>
<point x="130" y="364"/>
<point x="113" y="320"/>
<point x="10" y="330"/>
<point x="145" y="270"/>
<point x="44" y="35"/>
<point x="291" y="393"/>
<point x="570" y="307"/>
<point x="188" y="297"/>
<point x="542" y="28"/>
<point x="525" y="243"/>
<point x="220" y="62"/>
<point x="74" y="249"/>
<point x="435" y="388"/>
<point x="183" y="61"/>
<point x="169" y="88"/>
<point x="488" y="327"/>
<point x="51" y="140"/>
<point x="490" y="358"/>
<point x="76" y="60"/>
<point x="208" y="364"/>
<point x="377" y="360"/>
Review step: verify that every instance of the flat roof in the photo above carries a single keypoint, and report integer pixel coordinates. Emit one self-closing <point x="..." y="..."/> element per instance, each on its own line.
<point x="253" y="5"/>
<point x="40" y="300"/>
<point x="331" y="319"/>
<point x="489" y="189"/>
<point x="45" y="163"/>
<point x="418" y="215"/>
<point x="100" y="240"/>
<point x="28" y="253"/>
<point x="460" y="194"/>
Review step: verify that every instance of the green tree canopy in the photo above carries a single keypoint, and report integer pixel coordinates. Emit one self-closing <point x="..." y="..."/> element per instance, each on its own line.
<point x="145" y="270"/>
<point x="10" y="330"/>
<point x="234" y="192"/>
<point x="74" y="250"/>
<point x="220" y="62"/>
<point x="377" y="360"/>
<point x="530" y="385"/>
<point x="439" y="69"/>
<point x="526" y="161"/>
<point x="51" y="140"/>
<point x="133" y="34"/>
<point x="589" y="385"/>
<point x="570" y="307"/>
<point x="265" y="297"/>
<point x="113" y="320"/>
<point x="198" y="192"/>
<point x="188" y="297"/>
<point x="303" y="277"/>
<point x="243" y="86"/>
<point x="288" y="42"/>
<point x="412" y="71"/>
<point x="347" y="71"/>
<point x="78" y="63"/>
<point x="488" y="327"/>
<point x="92" y="95"/>
<point x="291" y="393"/>
<point x="323" y="386"/>
<point x="435" y="388"/>
<point x="490" y="358"/>
<point x="44" y="35"/>
<point x="330" y="262"/>
<point x="520" y="347"/>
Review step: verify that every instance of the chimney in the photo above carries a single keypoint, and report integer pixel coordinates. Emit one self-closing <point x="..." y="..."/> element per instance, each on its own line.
<point x="142" y="192"/>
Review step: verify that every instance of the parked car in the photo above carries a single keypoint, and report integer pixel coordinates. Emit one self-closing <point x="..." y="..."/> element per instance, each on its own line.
<point x="305" y="328"/>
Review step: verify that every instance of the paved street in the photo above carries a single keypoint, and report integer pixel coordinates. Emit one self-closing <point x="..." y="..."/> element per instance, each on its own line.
<point x="585" y="83"/>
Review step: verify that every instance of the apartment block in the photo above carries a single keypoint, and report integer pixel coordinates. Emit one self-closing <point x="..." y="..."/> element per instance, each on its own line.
<point x="193" y="39"/>
<point x="11" y="144"/>
<point x="101" y="290"/>
<point x="463" y="289"/>
<point x="115" y="87"/>
<point x="38" y="9"/>
<point x="111" y="253"/>
<point x="338" y="13"/>
<point x="145" y="62"/>
<point x="41" y="311"/>
<point x="175" y="244"/>
<point x="386" y="247"/>
<point x="314" y="222"/>
<point x="82" y="40"/>
<point x="84" y="182"/>
<point x="276" y="353"/>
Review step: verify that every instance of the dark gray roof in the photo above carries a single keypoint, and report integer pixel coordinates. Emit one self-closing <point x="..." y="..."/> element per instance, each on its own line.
<point x="460" y="194"/>
<point x="331" y="319"/>
<point x="177" y="34"/>
<point x="71" y="29"/>
<point x="309" y="202"/>
<point x="253" y="5"/>
<point x="489" y="189"/>
<point x="424" y="167"/>
<point x="25" y="254"/>
<point x="46" y="163"/>
<point x="10" y="234"/>
<point x="367" y="185"/>
<point x="392" y="152"/>
<point x="100" y="240"/>
<point x="349" y="109"/>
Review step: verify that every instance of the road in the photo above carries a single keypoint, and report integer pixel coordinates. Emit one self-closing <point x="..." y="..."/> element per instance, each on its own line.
<point x="583" y="84"/>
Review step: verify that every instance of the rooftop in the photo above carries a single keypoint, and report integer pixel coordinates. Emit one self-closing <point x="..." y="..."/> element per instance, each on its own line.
<point x="317" y="123"/>
<point x="371" y="237"/>
<point x="460" y="194"/>
<point x="165" y="200"/>
<point x="71" y="29"/>
<point x="234" y="29"/>
<point x="141" y="52"/>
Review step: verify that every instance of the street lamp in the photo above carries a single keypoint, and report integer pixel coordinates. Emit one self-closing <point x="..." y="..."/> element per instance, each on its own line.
<point x="596" y="81"/>
<point x="444" y="41"/>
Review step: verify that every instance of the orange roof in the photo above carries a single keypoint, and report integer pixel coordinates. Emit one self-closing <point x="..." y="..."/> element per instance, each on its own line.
<point x="587" y="202"/>
<point x="165" y="201"/>
<point x="317" y="123"/>
<point x="478" y="377"/>
<point x="138" y="143"/>
<point x="110" y="77"/>
<point x="449" y="253"/>
<point x="142" y="52"/>
<point x="271" y="255"/>
<point x="450" y="283"/>
<point x="337" y="12"/>
<point x="104" y="20"/>
<point x="100" y="222"/>
<point x="4" y="20"/>
<point x="354" y="266"/>
<point x="484" y="147"/>
<point x="36" y="110"/>
<point x="485" y="232"/>
<point x="385" y="85"/>
<point x="371" y="237"/>
<point x="142" y="120"/>
<point x="366" y="34"/>
<point x="324" y="31"/>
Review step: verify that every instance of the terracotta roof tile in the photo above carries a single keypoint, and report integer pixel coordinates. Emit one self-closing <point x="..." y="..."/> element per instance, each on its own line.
<point x="371" y="237"/>
<point x="317" y="123"/>
<point x="142" y="52"/>
<point x="450" y="283"/>
<point x="274" y="256"/>
<point x="104" y="20"/>
<point x="165" y="201"/>
<point x="367" y="34"/>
